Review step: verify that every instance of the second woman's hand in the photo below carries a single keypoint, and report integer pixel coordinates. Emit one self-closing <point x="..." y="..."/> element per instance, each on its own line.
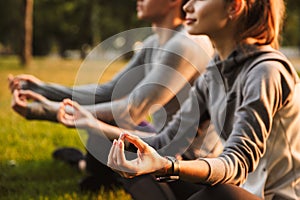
<point x="147" y="159"/>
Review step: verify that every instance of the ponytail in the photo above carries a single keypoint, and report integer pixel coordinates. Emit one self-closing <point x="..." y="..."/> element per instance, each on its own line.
<point x="262" y="20"/>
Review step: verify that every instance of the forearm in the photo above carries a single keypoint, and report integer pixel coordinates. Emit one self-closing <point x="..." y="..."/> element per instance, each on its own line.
<point x="101" y="111"/>
<point x="180" y="132"/>
<point x="196" y="171"/>
<point x="52" y="92"/>
<point x="99" y="127"/>
<point x="84" y="94"/>
<point x="113" y="132"/>
<point x="39" y="111"/>
<point x="121" y="112"/>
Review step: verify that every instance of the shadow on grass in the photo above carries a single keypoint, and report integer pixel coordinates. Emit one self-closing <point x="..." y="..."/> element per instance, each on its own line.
<point x="35" y="178"/>
<point x="46" y="179"/>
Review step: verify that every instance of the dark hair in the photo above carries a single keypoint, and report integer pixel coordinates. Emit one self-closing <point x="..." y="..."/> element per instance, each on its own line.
<point x="182" y="11"/>
<point x="262" y="20"/>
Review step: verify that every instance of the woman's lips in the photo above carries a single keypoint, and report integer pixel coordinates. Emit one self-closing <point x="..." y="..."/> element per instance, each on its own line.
<point x="190" y="21"/>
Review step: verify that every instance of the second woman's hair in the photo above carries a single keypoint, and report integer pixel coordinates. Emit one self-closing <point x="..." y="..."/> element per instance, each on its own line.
<point x="261" y="20"/>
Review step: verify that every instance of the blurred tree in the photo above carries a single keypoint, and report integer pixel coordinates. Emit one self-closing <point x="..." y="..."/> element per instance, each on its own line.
<point x="66" y="24"/>
<point x="291" y="27"/>
<point x="10" y="25"/>
<point x="95" y="13"/>
<point x="71" y="24"/>
<point x="60" y="25"/>
<point x="26" y="38"/>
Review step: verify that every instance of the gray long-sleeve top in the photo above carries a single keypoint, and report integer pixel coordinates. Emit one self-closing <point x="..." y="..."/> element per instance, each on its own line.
<point x="157" y="75"/>
<point x="252" y="98"/>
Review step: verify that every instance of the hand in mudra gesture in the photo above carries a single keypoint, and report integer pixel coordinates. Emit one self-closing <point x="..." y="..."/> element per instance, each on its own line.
<point x="72" y="115"/>
<point x="147" y="160"/>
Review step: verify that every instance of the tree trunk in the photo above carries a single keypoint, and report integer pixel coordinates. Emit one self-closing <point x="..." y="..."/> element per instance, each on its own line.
<point x="26" y="50"/>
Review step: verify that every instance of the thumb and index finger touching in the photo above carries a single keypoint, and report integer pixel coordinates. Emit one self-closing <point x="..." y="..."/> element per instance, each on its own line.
<point x="142" y="146"/>
<point x="15" y="82"/>
<point x="32" y="95"/>
<point x="24" y="77"/>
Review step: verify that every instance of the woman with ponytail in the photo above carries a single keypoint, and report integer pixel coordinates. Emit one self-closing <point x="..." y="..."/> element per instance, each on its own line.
<point x="250" y="94"/>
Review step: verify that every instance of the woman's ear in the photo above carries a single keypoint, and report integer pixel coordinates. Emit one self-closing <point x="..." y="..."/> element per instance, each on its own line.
<point x="235" y="8"/>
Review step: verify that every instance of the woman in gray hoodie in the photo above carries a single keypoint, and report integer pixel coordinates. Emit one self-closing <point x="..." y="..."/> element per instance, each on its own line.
<point x="249" y="92"/>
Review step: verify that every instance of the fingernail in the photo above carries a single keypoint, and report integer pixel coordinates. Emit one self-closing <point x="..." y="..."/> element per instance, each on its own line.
<point x="120" y="143"/>
<point x="123" y="135"/>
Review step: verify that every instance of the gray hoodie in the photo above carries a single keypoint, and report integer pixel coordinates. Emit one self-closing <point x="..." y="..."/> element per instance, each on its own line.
<point x="252" y="98"/>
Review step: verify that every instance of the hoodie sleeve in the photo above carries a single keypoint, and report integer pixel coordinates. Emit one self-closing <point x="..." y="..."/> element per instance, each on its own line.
<point x="90" y="93"/>
<point x="177" y="136"/>
<point x="266" y="88"/>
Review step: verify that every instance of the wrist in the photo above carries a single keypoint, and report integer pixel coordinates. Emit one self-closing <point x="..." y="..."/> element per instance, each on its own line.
<point x="175" y="169"/>
<point x="170" y="171"/>
<point x="166" y="169"/>
<point x="93" y="125"/>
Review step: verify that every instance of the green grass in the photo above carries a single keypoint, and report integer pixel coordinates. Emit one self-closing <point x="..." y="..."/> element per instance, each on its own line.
<point x="27" y="170"/>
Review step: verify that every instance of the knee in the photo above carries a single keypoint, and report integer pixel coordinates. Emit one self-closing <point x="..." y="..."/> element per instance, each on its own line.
<point x="223" y="191"/>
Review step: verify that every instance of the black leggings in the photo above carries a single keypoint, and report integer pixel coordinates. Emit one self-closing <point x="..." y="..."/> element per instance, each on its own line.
<point x="140" y="187"/>
<point x="223" y="191"/>
<point x="145" y="187"/>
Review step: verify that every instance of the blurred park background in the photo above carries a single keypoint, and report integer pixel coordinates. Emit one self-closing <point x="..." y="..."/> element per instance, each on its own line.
<point x="47" y="27"/>
<point x="49" y="39"/>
